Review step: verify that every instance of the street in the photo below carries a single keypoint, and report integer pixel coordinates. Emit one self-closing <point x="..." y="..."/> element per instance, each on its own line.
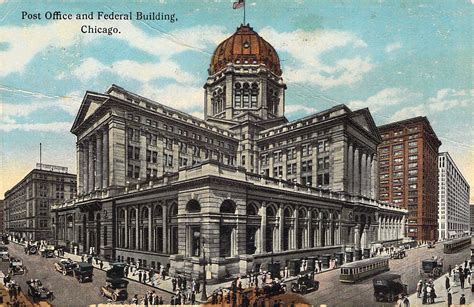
<point x="67" y="290"/>
<point x="334" y="293"/>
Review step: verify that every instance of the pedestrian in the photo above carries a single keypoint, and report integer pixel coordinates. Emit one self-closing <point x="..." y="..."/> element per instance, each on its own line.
<point x="419" y="288"/>
<point x="198" y="286"/>
<point x="449" y="270"/>
<point x="450" y="297"/>
<point x="446" y="283"/>
<point x="173" y="282"/>
<point x="101" y="264"/>
<point x="193" y="298"/>
<point x="140" y="276"/>
<point x="424" y="300"/>
<point x="461" y="278"/>
<point x="433" y="295"/>
<point x="462" y="300"/>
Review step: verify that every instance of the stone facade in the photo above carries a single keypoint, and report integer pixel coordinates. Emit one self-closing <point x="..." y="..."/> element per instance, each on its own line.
<point x="239" y="189"/>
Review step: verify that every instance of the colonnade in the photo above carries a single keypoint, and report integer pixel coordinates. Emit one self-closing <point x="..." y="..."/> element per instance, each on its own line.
<point x="93" y="161"/>
<point x="361" y="171"/>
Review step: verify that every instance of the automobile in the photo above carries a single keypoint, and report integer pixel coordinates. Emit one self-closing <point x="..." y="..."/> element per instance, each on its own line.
<point x="4" y="253"/>
<point x="115" y="289"/>
<point x="388" y="286"/>
<point x="16" y="267"/>
<point x="116" y="271"/>
<point x="31" y="249"/>
<point x="47" y="251"/>
<point x="273" y="288"/>
<point x="37" y="291"/>
<point x="305" y="283"/>
<point x="431" y="245"/>
<point x="83" y="271"/>
<point x="432" y="267"/>
<point x="5" y="239"/>
<point x="398" y="254"/>
<point x="65" y="266"/>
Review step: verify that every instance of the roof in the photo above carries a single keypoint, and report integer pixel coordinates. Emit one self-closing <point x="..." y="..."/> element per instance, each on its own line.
<point x="387" y="276"/>
<point x="85" y="265"/>
<point x="363" y="262"/>
<point x="245" y="46"/>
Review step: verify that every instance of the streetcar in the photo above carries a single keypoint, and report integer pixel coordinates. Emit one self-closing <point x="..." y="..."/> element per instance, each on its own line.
<point x="355" y="271"/>
<point x="456" y="245"/>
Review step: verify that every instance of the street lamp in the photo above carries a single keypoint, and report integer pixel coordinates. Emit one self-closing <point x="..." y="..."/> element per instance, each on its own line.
<point x="203" y="293"/>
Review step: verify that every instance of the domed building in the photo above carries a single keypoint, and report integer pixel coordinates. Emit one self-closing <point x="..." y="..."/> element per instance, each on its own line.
<point x="241" y="190"/>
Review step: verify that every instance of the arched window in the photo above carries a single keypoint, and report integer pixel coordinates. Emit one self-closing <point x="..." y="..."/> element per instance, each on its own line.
<point x="91" y="216"/>
<point x="251" y="209"/>
<point x="133" y="214"/>
<point x="254" y="96"/>
<point x="173" y="210"/>
<point x="238" y="95"/>
<point x="158" y="212"/>
<point x="122" y="214"/>
<point x="246" y="96"/>
<point x="228" y="206"/>
<point x="287" y="212"/>
<point x="271" y="211"/>
<point x="145" y="213"/>
<point x="193" y="206"/>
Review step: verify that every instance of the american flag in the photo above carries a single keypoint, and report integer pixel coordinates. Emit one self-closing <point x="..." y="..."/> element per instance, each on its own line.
<point x="238" y="4"/>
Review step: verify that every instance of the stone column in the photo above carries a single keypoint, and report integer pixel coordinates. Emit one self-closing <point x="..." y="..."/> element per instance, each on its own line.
<point x="357" y="236"/>
<point x="402" y="226"/>
<point x="137" y="229"/>
<point x="314" y="172"/>
<point x="369" y="176"/>
<point x="105" y="157"/>
<point x="308" y="230"/>
<point x="350" y="168"/>
<point x="356" y="186"/>
<point x="298" y="164"/>
<point x="280" y="227"/>
<point x="85" y="166"/>
<point x="127" y="239"/>
<point x="165" y="229"/>
<point x="331" y="230"/>
<point x="263" y="228"/>
<point x="91" y="166"/>
<point x="150" y="229"/>
<point x="375" y="177"/>
<point x="99" y="156"/>
<point x="363" y="174"/>
<point x="284" y="164"/>
<point x="320" y="229"/>
<point x="271" y="163"/>
<point x="143" y="161"/>
<point x="80" y="171"/>
<point x="296" y="225"/>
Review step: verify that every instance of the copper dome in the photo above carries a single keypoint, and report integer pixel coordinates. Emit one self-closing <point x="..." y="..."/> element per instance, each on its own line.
<point x="245" y="46"/>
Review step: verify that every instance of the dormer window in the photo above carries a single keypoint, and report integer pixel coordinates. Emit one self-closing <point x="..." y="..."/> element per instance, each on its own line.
<point x="246" y="45"/>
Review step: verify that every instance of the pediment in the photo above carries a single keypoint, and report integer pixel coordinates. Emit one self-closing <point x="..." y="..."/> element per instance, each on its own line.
<point x="89" y="105"/>
<point x="364" y="119"/>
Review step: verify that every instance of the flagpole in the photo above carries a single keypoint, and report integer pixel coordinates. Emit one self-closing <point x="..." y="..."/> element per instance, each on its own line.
<point x="244" y="12"/>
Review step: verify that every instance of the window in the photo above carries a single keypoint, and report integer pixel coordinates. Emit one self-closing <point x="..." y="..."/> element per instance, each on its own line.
<point x="323" y="146"/>
<point x="154" y="157"/>
<point x="136" y="155"/>
<point x="306" y="150"/>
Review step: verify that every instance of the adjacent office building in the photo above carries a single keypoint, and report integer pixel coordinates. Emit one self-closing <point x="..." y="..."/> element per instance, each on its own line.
<point x="471" y="207"/>
<point x="236" y="190"/>
<point x="408" y="172"/>
<point x="27" y="205"/>
<point x="453" y="200"/>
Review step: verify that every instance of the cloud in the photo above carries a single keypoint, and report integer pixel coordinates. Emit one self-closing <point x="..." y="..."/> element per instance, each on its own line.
<point x="24" y="43"/>
<point x="296" y="108"/>
<point x="57" y="127"/>
<point x="448" y="98"/>
<point x="307" y="64"/>
<point x="91" y="69"/>
<point x="444" y="100"/>
<point x="387" y="97"/>
<point x="392" y="47"/>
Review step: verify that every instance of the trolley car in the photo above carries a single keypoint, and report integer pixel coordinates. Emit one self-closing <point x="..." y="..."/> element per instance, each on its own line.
<point x="355" y="271"/>
<point x="456" y="245"/>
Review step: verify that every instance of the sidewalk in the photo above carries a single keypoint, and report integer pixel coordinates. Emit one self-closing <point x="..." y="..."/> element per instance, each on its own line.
<point x="442" y="295"/>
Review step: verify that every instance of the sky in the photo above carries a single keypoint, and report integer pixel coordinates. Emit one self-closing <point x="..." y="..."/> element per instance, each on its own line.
<point x="400" y="59"/>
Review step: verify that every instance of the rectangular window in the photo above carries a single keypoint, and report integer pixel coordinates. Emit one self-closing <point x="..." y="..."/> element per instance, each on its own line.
<point x="154" y="157"/>
<point x="137" y="153"/>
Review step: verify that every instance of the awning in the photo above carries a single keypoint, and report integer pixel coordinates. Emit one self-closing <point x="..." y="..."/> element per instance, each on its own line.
<point x="452" y="233"/>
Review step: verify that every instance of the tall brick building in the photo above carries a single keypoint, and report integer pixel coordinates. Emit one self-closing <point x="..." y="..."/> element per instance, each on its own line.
<point x="408" y="173"/>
